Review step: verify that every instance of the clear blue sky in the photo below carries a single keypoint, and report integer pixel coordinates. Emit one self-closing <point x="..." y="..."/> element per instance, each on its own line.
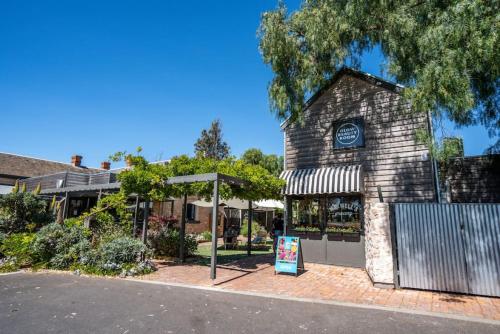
<point x="96" y="77"/>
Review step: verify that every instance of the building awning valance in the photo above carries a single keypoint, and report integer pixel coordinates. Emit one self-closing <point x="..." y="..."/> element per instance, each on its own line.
<point x="327" y="180"/>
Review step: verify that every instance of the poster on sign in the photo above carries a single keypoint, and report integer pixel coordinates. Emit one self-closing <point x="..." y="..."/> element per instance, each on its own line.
<point x="288" y="255"/>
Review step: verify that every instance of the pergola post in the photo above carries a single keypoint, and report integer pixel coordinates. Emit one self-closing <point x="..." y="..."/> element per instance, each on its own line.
<point x="145" y="224"/>
<point x="249" y="232"/>
<point x="136" y="216"/>
<point x="215" y="214"/>
<point x="182" y="231"/>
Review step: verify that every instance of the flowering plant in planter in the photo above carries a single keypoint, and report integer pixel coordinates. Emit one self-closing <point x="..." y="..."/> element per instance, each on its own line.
<point x="346" y="233"/>
<point x="307" y="229"/>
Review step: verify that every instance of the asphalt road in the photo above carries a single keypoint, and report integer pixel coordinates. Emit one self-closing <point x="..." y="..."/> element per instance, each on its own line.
<point x="52" y="303"/>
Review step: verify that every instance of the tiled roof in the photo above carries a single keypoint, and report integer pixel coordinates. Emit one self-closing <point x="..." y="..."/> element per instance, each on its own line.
<point x="21" y="166"/>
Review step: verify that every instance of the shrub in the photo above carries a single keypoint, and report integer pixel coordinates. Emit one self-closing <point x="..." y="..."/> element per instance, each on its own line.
<point x="118" y="256"/>
<point x="18" y="211"/>
<point x="8" y="265"/>
<point x="121" y="250"/>
<point x="206" y="236"/>
<point x="2" y="238"/>
<point x="59" y="246"/>
<point x="16" y="247"/>
<point x="255" y="228"/>
<point x="70" y="222"/>
<point x="167" y="241"/>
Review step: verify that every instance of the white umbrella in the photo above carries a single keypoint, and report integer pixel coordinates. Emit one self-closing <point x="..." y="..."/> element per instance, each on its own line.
<point x="269" y="204"/>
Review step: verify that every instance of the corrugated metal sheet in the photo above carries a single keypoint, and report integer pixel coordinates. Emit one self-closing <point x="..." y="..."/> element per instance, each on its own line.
<point x="449" y="247"/>
<point x="482" y="247"/>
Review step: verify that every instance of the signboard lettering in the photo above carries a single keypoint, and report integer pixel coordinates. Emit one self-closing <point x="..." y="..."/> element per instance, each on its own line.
<point x="349" y="133"/>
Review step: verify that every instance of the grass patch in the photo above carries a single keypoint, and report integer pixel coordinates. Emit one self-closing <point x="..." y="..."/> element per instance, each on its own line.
<point x="202" y="255"/>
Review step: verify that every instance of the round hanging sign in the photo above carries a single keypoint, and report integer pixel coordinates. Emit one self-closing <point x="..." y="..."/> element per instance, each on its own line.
<point x="347" y="133"/>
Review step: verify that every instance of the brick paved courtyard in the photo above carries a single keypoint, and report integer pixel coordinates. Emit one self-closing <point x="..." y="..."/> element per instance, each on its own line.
<point x="256" y="274"/>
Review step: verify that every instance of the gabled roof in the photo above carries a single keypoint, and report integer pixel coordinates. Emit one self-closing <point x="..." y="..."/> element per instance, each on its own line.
<point x="22" y="167"/>
<point x="372" y="79"/>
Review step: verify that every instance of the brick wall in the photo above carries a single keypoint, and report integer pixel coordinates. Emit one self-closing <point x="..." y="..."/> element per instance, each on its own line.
<point x="203" y="219"/>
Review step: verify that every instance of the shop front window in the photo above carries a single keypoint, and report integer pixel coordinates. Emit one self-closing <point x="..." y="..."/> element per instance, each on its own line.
<point x="344" y="214"/>
<point x="307" y="214"/>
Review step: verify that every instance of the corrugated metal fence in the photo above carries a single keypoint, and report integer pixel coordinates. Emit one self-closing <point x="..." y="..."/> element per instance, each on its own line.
<point x="449" y="247"/>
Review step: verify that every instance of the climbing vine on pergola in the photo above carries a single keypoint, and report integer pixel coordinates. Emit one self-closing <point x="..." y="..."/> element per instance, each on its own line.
<point x="184" y="176"/>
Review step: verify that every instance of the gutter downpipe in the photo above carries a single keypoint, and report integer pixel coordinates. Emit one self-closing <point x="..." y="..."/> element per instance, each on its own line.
<point x="434" y="165"/>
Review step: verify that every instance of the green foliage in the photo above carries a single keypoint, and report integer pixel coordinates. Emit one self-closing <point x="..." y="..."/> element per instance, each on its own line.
<point x="18" y="211"/>
<point x="70" y="222"/>
<point x="110" y="217"/>
<point x="206" y="235"/>
<point x="121" y="250"/>
<point x="38" y="189"/>
<point x="272" y="163"/>
<point x="59" y="246"/>
<point x="68" y="247"/>
<point x="15" y="189"/>
<point x="149" y="179"/>
<point x="443" y="151"/>
<point x="445" y="52"/>
<point x="17" y="247"/>
<point x="306" y="229"/>
<point x="2" y="238"/>
<point x="346" y="229"/>
<point x="166" y="243"/>
<point x="53" y="203"/>
<point x="8" y="265"/>
<point x="255" y="228"/>
<point x="211" y="144"/>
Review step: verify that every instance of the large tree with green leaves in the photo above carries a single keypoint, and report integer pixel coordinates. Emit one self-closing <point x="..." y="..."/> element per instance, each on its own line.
<point x="271" y="162"/>
<point x="211" y="143"/>
<point x="445" y="52"/>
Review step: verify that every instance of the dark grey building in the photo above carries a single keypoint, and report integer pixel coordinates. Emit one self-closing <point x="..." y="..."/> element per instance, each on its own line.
<point x="355" y="146"/>
<point x="17" y="167"/>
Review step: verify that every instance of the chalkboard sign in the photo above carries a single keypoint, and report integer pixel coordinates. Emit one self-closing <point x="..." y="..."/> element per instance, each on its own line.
<point x="349" y="133"/>
<point x="288" y="255"/>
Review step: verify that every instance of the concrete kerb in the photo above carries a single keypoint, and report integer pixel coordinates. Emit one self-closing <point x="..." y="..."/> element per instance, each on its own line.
<point x="12" y="273"/>
<point x="323" y="301"/>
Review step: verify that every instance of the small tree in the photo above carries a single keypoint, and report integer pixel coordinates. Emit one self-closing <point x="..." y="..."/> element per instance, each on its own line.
<point x="20" y="212"/>
<point x="210" y="144"/>
<point x="271" y="162"/>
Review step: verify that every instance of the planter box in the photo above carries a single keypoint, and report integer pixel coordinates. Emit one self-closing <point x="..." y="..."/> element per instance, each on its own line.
<point x="351" y="236"/>
<point x="299" y="234"/>
<point x="334" y="236"/>
<point x="314" y="235"/>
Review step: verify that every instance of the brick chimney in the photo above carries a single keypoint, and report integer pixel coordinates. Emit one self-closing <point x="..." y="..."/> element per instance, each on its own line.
<point x="76" y="160"/>
<point x="105" y="165"/>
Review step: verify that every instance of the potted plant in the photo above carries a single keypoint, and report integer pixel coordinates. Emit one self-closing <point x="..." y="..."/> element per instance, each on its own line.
<point x="313" y="233"/>
<point x="334" y="233"/>
<point x="299" y="231"/>
<point x="350" y="234"/>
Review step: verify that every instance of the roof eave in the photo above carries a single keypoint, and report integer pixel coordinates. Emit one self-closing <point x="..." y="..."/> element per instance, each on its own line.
<point x="397" y="88"/>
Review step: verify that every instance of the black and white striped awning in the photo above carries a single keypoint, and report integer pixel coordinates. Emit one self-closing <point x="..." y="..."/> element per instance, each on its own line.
<point x="328" y="180"/>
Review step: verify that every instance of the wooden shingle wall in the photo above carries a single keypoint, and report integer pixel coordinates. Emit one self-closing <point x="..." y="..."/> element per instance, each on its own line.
<point x="391" y="158"/>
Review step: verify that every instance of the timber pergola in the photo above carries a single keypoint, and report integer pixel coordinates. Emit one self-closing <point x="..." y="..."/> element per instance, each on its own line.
<point x="216" y="178"/>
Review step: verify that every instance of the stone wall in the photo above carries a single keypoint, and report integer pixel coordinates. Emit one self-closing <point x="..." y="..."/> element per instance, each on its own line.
<point x="378" y="245"/>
